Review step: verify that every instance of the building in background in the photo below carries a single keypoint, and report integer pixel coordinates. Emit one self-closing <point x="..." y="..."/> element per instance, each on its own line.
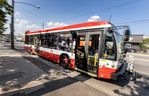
<point x="5" y="37"/>
<point x="134" y="42"/>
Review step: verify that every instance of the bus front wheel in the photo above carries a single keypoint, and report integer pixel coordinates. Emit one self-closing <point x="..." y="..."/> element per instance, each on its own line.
<point x="64" y="61"/>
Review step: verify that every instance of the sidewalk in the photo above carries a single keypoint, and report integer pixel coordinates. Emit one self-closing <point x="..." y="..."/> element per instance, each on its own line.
<point x="22" y="74"/>
<point x="17" y="73"/>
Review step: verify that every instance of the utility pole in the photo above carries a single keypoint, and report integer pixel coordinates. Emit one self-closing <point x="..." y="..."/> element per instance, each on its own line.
<point x="12" y="26"/>
<point x="12" y="20"/>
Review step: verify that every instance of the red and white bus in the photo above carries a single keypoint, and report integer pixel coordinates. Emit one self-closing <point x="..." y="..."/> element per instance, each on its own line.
<point x="95" y="48"/>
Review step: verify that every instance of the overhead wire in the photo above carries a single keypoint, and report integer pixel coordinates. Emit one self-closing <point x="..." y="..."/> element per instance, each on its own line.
<point x="101" y="10"/>
<point x="104" y="9"/>
<point x="136" y="21"/>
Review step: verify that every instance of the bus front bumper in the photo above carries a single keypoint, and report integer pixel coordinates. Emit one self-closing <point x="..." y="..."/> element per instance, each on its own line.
<point x="120" y="72"/>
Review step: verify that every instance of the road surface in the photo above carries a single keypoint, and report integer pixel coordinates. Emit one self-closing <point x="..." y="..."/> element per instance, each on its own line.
<point x="140" y="61"/>
<point x="87" y="84"/>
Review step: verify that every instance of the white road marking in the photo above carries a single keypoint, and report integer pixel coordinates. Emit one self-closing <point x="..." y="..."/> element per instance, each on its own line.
<point x="138" y="54"/>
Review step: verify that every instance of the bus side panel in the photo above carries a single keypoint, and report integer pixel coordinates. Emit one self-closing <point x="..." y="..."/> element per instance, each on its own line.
<point x="49" y="55"/>
<point x="45" y="54"/>
<point x="72" y="63"/>
<point x="105" y="72"/>
<point x="54" y="55"/>
<point x="56" y="58"/>
<point x="41" y="53"/>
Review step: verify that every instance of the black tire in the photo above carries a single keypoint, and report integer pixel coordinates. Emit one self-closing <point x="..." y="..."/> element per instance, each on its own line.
<point x="64" y="61"/>
<point x="31" y="51"/>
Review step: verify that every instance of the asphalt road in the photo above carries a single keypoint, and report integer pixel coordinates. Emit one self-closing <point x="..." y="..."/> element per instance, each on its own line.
<point x="140" y="61"/>
<point x="112" y="88"/>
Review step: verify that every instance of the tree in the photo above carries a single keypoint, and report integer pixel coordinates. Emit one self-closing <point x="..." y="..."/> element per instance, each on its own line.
<point x="5" y="9"/>
<point x="145" y="44"/>
<point x="146" y="40"/>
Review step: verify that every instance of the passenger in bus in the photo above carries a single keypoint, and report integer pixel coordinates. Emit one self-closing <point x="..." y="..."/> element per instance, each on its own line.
<point x="91" y="51"/>
<point x="64" y="44"/>
<point x="109" y="52"/>
<point x="96" y="56"/>
<point x="106" y="52"/>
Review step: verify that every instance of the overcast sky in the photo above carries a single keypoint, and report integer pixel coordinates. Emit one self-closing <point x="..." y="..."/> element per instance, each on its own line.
<point x="55" y="13"/>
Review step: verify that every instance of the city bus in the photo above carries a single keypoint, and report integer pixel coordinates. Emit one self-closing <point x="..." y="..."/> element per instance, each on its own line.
<point x="94" y="48"/>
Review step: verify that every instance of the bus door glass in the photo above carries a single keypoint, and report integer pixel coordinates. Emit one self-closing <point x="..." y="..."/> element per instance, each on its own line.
<point x="92" y="50"/>
<point x="80" y="58"/>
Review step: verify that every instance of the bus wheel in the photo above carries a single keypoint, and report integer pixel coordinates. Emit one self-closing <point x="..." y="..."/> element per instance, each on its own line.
<point x="31" y="52"/>
<point x="64" y="61"/>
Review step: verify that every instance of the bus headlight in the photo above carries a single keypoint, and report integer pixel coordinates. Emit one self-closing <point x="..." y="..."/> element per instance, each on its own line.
<point x="113" y="66"/>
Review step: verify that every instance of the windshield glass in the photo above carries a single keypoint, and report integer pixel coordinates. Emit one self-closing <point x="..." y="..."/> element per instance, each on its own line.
<point x="109" y="48"/>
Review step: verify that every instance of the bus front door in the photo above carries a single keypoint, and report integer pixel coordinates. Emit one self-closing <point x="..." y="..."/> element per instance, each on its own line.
<point x="92" y="52"/>
<point x="86" y="52"/>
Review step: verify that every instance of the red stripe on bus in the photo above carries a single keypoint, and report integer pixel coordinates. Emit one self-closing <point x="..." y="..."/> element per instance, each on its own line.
<point x="87" y="24"/>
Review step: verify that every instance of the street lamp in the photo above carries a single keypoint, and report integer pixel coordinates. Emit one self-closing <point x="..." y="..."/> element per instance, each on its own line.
<point x="12" y="20"/>
<point x="29" y="4"/>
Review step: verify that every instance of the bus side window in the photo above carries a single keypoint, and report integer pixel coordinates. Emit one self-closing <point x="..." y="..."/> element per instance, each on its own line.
<point x="26" y="39"/>
<point x="109" y="48"/>
<point x="31" y="39"/>
<point x="49" y="40"/>
<point x="65" y="42"/>
<point x="55" y="40"/>
<point x="36" y="40"/>
<point x="43" y="40"/>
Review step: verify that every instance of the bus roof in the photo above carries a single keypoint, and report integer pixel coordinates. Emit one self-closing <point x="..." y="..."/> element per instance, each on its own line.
<point x="81" y="26"/>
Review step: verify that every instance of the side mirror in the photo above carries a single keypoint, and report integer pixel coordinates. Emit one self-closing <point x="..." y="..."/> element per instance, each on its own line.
<point x="126" y="37"/>
<point x="126" y="34"/>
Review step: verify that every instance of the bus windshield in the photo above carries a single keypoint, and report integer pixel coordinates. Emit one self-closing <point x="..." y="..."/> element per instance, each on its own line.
<point x="109" y="46"/>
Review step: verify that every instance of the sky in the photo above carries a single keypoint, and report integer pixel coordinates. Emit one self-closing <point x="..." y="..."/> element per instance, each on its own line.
<point x="55" y="13"/>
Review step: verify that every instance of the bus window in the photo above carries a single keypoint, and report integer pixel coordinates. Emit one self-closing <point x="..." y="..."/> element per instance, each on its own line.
<point x="82" y="40"/>
<point x="109" y="48"/>
<point x="65" y="42"/>
<point x="93" y="47"/>
<point x="26" y="39"/>
<point x="36" y="40"/>
<point x="49" y="40"/>
<point x="52" y="40"/>
<point x="31" y="39"/>
<point x="43" y="40"/>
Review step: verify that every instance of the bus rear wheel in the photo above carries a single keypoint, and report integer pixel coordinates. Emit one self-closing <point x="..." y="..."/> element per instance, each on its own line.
<point x="64" y="61"/>
<point x="31" y="51"/>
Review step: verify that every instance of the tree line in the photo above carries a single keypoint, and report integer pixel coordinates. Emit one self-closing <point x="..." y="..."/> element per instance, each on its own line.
<point x="5" y="10"/>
